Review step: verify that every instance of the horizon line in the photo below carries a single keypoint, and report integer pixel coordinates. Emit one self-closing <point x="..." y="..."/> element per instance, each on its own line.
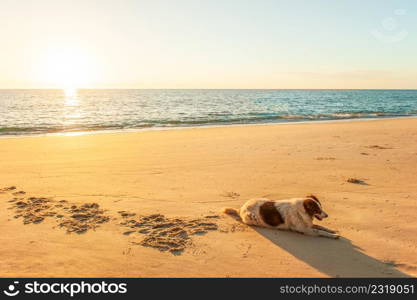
<point x="271" y="89"/>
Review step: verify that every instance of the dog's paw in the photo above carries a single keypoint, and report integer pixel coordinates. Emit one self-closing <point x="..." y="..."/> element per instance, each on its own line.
<point x="335" y="236"/>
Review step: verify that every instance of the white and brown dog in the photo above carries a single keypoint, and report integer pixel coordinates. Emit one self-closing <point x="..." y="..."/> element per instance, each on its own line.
<point x="295" y="214"/>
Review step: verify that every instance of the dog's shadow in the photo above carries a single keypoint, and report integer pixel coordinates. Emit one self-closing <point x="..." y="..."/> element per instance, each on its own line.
<point x="336" y="258"/>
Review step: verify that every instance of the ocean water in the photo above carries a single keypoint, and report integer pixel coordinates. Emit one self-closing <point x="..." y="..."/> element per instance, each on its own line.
<point x="26" y="112"/>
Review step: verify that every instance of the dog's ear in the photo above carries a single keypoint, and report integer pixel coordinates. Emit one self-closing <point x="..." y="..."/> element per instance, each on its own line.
<point x="311" y="207"/>
<point x="314" y="197"/>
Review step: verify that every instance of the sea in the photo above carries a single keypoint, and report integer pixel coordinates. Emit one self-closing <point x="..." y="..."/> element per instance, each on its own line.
<point x="72" y="111"/>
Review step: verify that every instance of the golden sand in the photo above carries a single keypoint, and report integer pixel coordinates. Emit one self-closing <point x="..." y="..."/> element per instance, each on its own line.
<point x="114" y="184"/>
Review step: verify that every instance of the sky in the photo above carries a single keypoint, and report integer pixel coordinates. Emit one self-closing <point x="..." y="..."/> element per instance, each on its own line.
<point x="263" y="44"/>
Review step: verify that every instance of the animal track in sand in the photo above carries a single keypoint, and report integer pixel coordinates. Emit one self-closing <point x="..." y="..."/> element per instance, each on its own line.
<point x="357" y="181"/>
<point x="237" y="227"/>
<point x="33" y="210"/>
<point x="72" y="217"/>
<point x="378" y="147"/>
<point x="125" y="214"/>
<point x="19" y="193"/>
<point x="7" y="189"/>
<point x="168" y="234"/>
<point x="157" y="231"/>
<point x="84" y="217"/>
<point x="230" y="195"/>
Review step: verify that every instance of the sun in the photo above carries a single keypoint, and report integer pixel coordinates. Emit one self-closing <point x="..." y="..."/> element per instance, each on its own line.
<point x="67" y="68"/>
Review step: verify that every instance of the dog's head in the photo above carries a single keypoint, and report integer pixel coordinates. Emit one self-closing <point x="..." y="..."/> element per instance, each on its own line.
<point x="313" y="208"/>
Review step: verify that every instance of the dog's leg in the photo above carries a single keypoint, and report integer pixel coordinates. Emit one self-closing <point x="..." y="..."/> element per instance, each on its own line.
<point x="317" y="232"/>
<point x="301" y="228"/>
<point x="319" y="227"/>
<point x="327" y="234"/>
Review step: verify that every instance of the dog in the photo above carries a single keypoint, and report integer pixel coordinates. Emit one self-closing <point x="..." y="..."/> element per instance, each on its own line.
<point x="294" y="214"/>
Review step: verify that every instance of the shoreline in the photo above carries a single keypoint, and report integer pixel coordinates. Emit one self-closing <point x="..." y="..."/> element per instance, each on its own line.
<point x="136" y="130"/>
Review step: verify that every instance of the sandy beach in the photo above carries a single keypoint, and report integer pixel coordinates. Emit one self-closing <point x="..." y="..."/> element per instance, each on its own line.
<point x="93" y="205"/>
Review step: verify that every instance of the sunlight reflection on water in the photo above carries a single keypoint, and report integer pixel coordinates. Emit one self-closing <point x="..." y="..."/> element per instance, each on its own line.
<point x="71" y="97"/>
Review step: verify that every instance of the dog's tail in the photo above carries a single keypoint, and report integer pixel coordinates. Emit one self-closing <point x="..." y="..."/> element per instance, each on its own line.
<point x="232" y="211"/>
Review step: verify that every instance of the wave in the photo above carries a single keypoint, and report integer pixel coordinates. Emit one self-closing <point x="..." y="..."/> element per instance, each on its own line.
<point x="221" y="119"/>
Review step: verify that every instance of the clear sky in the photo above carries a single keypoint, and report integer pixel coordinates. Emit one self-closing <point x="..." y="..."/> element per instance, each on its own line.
<point x="208" y="44"/>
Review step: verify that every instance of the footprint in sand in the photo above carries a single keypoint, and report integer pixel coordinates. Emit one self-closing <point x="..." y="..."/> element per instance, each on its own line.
<point x="7" y="189"/>
<point x="357" y="181"/>
<point x="126" y="214"/>
<point x="129" y="232"/>
<point x="19" y="193"/>
<point x="72" y="217"/>
<point x="157" y="231"/>
<point x="378" y="147"/>
<point x="83" y="218"/>
<point x="230" y="195"/>
<point x="168" y="234"/>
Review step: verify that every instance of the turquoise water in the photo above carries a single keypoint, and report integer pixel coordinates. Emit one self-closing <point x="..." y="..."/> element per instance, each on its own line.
<point x="47" y="111"/>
